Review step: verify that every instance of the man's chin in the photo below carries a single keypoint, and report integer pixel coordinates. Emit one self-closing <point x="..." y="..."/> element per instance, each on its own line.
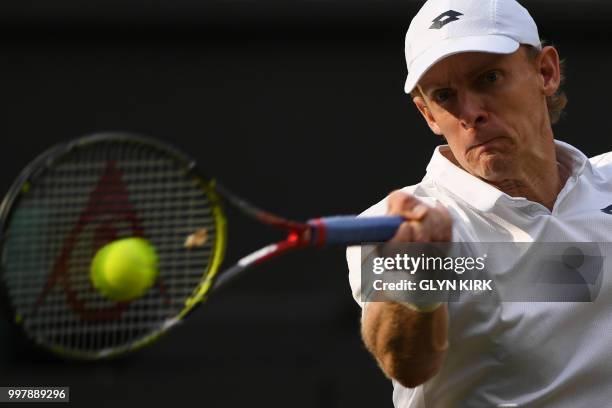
<point x="496" y="168"/>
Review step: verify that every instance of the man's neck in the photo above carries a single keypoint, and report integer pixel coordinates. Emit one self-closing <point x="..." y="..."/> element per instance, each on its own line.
<point x="541" y="184"/>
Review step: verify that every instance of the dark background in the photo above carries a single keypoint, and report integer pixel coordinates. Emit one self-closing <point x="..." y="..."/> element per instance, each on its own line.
<point x="296" y="105"/>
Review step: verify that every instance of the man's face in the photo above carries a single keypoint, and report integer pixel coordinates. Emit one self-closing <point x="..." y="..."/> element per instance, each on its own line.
<point x="491" y="109"/>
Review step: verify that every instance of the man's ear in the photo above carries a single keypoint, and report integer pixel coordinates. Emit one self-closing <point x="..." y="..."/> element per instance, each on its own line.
<point x="549" y="69"/>
<point x="424" y="109"/>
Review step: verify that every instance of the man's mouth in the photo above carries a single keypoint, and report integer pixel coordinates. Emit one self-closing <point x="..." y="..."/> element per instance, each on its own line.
<point x="485" y="143"/>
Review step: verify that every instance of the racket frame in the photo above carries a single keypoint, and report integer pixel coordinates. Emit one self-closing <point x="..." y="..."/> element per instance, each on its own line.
<point x="49" y="158"/>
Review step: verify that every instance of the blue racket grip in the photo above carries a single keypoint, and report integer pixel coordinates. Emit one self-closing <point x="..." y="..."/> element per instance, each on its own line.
<point x="351" y="230"/>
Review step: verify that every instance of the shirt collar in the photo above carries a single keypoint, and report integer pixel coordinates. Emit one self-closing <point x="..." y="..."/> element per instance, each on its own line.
<point x="484" y="196"/>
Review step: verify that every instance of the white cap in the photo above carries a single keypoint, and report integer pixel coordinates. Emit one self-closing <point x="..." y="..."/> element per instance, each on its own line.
<point x="446" y="27"/>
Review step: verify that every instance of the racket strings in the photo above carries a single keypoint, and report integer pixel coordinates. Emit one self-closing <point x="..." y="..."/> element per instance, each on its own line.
<point x="97" y="193"/>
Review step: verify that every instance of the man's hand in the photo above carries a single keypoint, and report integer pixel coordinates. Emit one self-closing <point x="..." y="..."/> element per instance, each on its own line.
<point x="410" y="345"/>
<point x="423" y="223"/>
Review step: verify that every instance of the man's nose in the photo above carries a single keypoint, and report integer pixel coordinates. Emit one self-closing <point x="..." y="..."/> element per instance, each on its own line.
<point x="473" y="113"/>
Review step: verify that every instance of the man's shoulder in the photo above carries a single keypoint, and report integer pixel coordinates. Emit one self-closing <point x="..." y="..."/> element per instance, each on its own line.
<point x="601" y="160"/>
<point x="602" y="165"/>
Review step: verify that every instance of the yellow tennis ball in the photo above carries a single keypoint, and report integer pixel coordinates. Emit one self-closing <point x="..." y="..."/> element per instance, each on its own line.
<point x="124" y="269"/>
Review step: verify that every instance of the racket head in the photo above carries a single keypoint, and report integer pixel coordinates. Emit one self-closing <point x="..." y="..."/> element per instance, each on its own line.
<point x="80" y="195"/>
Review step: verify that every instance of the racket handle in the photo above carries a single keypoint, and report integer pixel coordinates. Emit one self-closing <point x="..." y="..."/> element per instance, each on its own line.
<point x="351" y="230"/>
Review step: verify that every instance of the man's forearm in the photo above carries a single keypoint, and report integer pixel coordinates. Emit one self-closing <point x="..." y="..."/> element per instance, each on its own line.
<point x="409" y="346"/>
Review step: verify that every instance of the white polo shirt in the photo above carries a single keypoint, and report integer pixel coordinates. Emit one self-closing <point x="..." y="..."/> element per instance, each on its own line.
<point x="519" y="354"/>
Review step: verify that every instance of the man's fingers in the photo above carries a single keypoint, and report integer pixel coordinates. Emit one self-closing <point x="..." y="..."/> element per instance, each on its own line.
<point x="414" y="231"/>
<point x="444" y="223"/>
<point x="406" y="205"/>
<point x="404" y="233"/>
<point x="418" y="212"/>
<point x="399" y="202"/>
<point x="423" y="223"/>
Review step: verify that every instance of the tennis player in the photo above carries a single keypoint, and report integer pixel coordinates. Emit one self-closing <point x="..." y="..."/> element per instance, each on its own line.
<point x="480" y="77"/>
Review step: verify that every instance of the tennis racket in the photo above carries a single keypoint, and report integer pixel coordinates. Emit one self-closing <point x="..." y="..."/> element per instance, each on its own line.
<point x="81" y="195"/>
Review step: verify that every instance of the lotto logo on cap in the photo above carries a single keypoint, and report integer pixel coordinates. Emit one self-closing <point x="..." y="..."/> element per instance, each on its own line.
<point x="446" y="27"/>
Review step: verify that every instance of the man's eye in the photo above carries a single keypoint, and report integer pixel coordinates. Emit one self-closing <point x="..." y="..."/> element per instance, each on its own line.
<point x="491" y="76"/>
<point x="442" y="95"/>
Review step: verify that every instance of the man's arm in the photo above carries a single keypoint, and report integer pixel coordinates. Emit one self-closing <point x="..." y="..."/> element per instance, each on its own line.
<point x="410" y="344"/>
